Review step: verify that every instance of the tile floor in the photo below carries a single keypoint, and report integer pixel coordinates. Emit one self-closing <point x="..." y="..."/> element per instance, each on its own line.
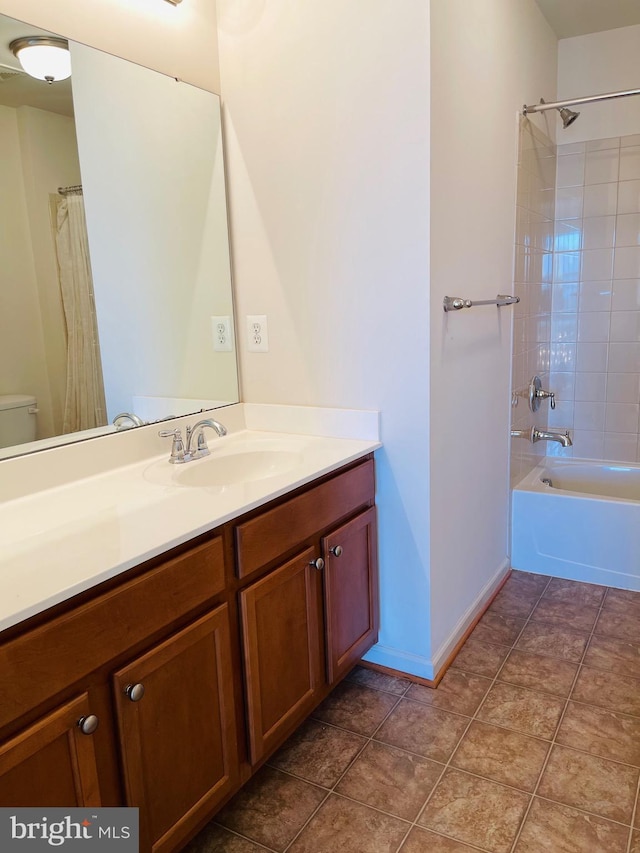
<point x="531" y="743"/>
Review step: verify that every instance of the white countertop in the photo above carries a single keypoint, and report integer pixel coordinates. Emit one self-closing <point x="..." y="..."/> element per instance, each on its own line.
<point x="63" y="540"/>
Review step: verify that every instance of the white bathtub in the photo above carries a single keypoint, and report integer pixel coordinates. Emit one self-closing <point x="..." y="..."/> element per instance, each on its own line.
<point x="584" y="526"/>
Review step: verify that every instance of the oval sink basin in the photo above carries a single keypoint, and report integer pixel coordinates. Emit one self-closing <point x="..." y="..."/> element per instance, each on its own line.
<point x="232" y="468"/>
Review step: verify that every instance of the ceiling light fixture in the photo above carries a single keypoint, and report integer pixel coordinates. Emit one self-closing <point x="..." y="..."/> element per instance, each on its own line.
<point x="175" y="2"/>
<point x="43" y="57"/>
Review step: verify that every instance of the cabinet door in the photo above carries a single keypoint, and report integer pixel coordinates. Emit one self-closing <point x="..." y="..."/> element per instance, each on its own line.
<point x="178" y="730"/>
<point x="52" y="763"/>
<point x="282" y="650"/>
<point x="350" y="592"/>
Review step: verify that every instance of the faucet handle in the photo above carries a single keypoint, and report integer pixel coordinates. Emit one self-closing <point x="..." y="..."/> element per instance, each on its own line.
<point x="177" y="446"/>
<point x="536" y="394"/>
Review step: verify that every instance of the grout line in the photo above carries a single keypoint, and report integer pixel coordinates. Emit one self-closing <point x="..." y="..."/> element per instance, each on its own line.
<point x="473" y="718"/>
<point x="583" y="811"/>
<point x="239" y="835"/>
<point x="633" y="818"/>
<point x="357" y="755"/>
<point x="559" y="725"/>
<point x="551" y="743"/>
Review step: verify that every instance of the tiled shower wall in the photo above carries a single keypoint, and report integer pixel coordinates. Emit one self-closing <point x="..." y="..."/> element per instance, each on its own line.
<point x="595" y="325"/>
<point x="533" y="284"/>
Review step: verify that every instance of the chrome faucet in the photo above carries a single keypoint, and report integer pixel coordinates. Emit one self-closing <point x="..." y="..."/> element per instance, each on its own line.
<point x="183" y="453"/>
<point x="197" y="432"/>
<point x="125" y="420"/>
<point x="534" y="434"/>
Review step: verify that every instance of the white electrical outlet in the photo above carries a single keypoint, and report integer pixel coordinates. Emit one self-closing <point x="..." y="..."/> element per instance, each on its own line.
<point x="257" y="333"/>
<point x="222" y="330"/>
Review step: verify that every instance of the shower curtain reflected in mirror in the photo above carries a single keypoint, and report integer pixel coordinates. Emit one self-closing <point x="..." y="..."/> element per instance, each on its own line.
<point x="85" y="405"/>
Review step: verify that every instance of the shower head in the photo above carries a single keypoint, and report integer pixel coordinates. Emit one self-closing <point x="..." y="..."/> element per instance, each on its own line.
<point x="568" y="116"/>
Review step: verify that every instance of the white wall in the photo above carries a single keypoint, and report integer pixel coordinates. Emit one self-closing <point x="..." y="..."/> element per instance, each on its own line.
<point x="327" y="112"/>
<point x="488" y="58"/>
<point x="178" y="40"/>
<point x="156" y="217"/>
<point x="594" y="64"/>
<point x="327" y="118"/>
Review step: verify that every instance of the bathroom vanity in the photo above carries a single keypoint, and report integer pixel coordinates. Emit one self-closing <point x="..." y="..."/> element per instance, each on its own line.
<point x="168" y="684"/>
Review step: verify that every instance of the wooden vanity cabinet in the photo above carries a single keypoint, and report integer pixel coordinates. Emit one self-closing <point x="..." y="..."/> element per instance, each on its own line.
<point x="350" y="592"/>
<point x="176" y="720"/>
<point x="282" y="651"/>
<point x="52" y="762"/>
<point x="197" y="665"/>
<point x="309" y="619"/>
<point x="172" y="740"/>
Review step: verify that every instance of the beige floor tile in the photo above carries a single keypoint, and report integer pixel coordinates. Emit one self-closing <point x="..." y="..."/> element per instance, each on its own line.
<point x="617" y="656"/>
<point x="480" y="657"/>
<point x="475" y="811"/>
<point x="539" y="583"/>
<point x="318" y="753"/>
<point x="553" y="640"/>
<point x="341" y="825"/>
<point x="391" y="780"/>
<point x="590" y="783"/>
<point x="549" y="675"/>
<point x="502" y="755"/>
<point x="424" y="841"/>
<point x="526" y="711"/>
<point x="458" y="691"/>
<point x="601" y="732"/>
<point x="423" y="729"/>
<point x="608" y="690"/>
<point x="623" y="600"/>
<point x="215" y="839"/>
<point x="623" y="625"/>
<point x="498" y="628"/>
<point x="575" y="592"/>
<point x="581" y="617"/>
<point x="635" y="842"/>
<point x="553" y="828"/>
<point x="357" y="708"/>
<point x="271" y="808"/>
<point x="378" y="680"/>
<point x="515" y="601"/>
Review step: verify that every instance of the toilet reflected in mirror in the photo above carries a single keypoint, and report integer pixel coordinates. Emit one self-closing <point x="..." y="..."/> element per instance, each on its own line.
<point x="18" y="424"/>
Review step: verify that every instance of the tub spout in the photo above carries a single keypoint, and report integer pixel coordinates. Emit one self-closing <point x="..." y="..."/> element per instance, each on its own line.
<point x="542" y="435"/>
<point x="534" y="434"/>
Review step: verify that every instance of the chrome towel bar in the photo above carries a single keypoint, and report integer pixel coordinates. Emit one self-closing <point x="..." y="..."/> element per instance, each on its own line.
<point x="455" y="303"/>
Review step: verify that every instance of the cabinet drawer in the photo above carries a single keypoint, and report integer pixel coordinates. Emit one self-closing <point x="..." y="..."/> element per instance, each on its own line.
<point x="43" y="661"/>
<point x="273" y="533"/>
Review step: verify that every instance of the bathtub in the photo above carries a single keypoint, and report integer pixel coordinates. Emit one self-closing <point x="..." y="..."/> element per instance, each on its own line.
<point x="582" y="525"/>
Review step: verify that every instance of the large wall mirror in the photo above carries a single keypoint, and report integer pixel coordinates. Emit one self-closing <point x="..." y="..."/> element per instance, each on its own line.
<point x="114" y="248"/>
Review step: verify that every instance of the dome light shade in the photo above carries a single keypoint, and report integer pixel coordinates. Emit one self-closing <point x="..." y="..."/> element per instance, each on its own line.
<point x="43" y="57"/>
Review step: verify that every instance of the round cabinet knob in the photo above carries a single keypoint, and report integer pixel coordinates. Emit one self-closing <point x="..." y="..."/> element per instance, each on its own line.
<point x="134" y="692"/>
<point x="336" y="550"/>
<point x="318" y="563"/>
<point x="88" y="724"/>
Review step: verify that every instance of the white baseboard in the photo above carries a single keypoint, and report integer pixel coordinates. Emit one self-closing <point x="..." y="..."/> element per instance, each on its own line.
<point x="401" y="661"/>
<point x="476" y="607"/>
<point x="424" y="667"/>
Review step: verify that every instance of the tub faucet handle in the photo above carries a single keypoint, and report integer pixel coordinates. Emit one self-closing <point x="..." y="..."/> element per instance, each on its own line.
<point x="542" y="395"/>
<point x="536" y="394"/>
